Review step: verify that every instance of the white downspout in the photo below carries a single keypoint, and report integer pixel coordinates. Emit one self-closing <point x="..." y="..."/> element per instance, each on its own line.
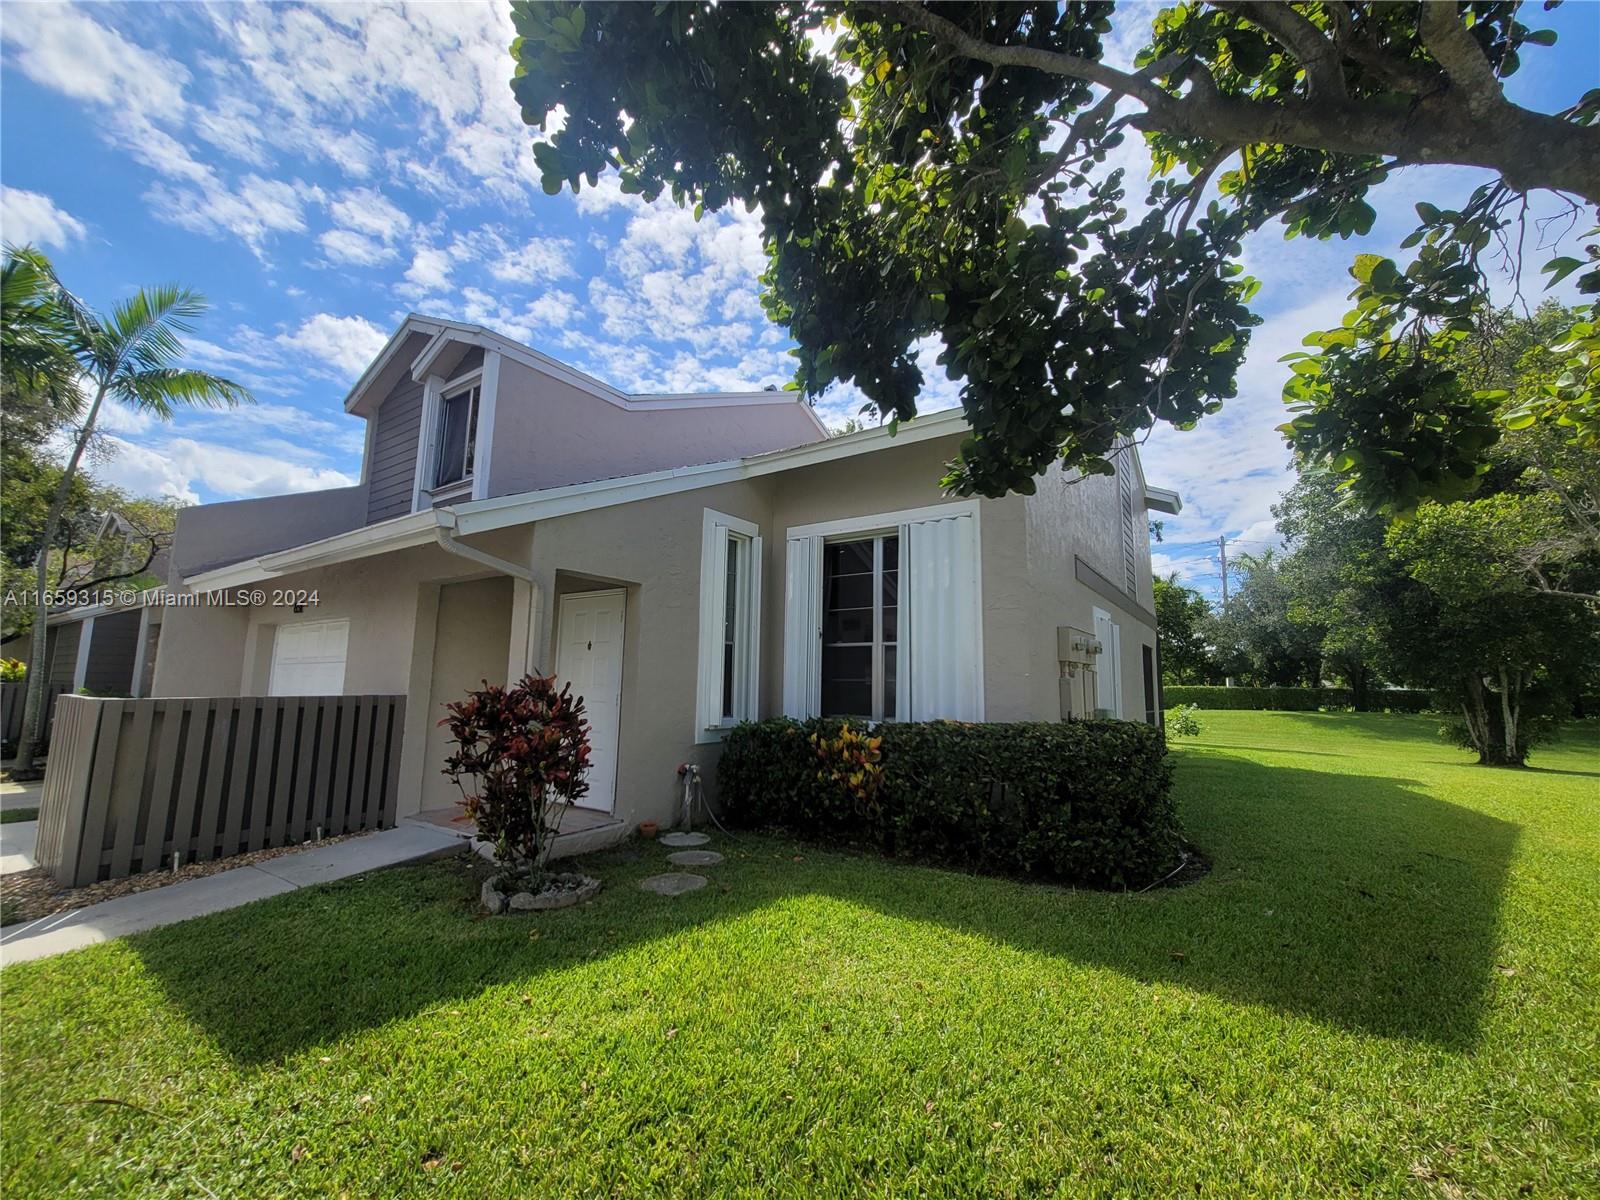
<point x="505" y="566"/>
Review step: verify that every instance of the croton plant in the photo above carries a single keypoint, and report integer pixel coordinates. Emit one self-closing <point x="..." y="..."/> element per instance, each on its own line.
<point x="521" y="754"/>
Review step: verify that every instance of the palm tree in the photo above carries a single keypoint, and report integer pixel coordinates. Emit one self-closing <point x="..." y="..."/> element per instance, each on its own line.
<point x="36" y="367"/>
<point x="129" y="354"/>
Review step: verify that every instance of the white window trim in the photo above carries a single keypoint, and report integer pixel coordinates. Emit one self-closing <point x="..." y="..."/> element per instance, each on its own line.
<point x="899" y="522"/>
<point x="434" y="390"/>
<point x="80" y="666"/>
<point x="710" y="724"/>
<point x="881" y="522"/>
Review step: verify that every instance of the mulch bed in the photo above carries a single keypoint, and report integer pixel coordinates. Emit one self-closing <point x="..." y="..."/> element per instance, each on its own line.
<point x="29" y="895"/>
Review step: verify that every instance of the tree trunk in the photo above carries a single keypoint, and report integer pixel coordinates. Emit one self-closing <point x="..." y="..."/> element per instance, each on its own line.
<point x="33" y="702"/>
<point x="1360" y="690"/>
<point x="1510" y="714"/>
<point x="1477" y="714"/>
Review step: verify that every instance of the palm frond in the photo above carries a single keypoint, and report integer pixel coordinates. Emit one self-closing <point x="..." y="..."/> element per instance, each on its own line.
<point x="37" y="340"/>
<point x="163" y="390"/>
<point x="144" y="328"/>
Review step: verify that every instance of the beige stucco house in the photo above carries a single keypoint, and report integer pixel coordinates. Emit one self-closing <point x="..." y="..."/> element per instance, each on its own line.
<point x="686" y="561"/>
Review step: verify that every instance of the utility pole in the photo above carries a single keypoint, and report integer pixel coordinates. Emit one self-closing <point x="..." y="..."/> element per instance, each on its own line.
<point x="1222" y="550"/>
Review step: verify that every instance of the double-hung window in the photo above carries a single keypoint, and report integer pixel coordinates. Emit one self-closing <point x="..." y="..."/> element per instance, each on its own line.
<point x="860" y="610"/>
<point x="883" y="617"/>
<point x="730" y="625"/>
<point x="458" y="434"/>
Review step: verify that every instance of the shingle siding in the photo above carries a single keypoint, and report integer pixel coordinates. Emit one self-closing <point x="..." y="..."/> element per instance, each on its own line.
<point x="64" y="655"/>
<point x="391" y="474"/>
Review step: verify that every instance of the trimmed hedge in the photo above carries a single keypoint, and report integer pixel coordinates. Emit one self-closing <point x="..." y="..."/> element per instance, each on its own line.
<point x="1082" y="801"/>
<point x="1297" y="699"/>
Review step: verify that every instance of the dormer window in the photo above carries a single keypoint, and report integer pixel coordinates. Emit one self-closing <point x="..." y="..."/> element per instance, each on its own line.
<point x="458" y="434"/>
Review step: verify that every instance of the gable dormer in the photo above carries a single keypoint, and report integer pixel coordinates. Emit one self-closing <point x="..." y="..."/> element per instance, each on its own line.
<point x="456" y="413"/>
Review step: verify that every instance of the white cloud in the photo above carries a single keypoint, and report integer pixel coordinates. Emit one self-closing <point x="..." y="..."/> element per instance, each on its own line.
<point x="180" y="466"/>
<point x="678" y="282"/>
<point x="62" y="48"/>
<point x="554" y="309"/>
<point x="117" y="417"/>
<point x="345" y="344"/>
<point x="443" y="68"/>
<point x="146" y="472"/>
<point x="536" y="261"/>
<point x="429" y="272"/>
<point x="369" y="212"/>
<point x="32" y="218"/>
<point x="256" y="208"/>
<point x="348" y="246"/>
<point x="1232" y="467"/>
<point x="607" y="194"/>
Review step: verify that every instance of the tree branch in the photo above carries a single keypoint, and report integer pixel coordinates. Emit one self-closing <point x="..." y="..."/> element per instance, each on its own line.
<point x="1318" y="56"/>
<point x="1454" y="49"/>
<point x="1470" y="124"/>
<point x="1393" y="68"/>
<point x="1049" y="61"/>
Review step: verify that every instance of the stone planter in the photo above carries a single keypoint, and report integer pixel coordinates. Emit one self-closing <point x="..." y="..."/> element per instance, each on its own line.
<point x="501" y="893"/>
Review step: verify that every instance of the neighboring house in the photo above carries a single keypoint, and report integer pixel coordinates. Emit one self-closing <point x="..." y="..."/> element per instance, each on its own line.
<point x="106" y="650"/>
<point x="686" y="562"/>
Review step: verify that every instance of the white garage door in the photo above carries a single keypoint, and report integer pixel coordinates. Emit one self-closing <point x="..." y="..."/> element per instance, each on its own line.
<point x="308" y="659"/>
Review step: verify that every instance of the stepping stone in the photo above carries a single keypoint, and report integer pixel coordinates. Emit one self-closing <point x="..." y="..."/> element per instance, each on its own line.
<point x="680" y="840"/>
<point x="674" y="883"/>
<point x="694" y="858"/>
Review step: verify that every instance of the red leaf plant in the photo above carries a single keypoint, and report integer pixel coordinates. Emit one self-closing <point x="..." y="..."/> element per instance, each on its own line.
<point x="524" y="751"/>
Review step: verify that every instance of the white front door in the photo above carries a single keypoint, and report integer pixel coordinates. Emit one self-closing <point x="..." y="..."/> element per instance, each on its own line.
<point x="308" y="658"/>
<point x="589" y="657"/>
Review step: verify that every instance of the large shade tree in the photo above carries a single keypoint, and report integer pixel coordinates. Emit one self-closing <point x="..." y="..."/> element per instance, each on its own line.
<point x="132" y="355"/>
<point x="1181" y="622"/>
<point x="940" y="171"/>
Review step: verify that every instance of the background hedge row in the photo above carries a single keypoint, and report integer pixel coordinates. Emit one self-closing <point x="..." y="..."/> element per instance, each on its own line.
<point x="1296" y="699"/>
<point x="1083" y="801"/>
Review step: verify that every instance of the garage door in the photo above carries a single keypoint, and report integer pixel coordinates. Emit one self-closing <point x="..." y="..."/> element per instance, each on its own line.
<point x="308" y="659"/>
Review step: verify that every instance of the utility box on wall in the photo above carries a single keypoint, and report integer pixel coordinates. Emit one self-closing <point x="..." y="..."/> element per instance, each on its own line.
<point x="1076" y="646"/>
<point x="1077" y="650"/>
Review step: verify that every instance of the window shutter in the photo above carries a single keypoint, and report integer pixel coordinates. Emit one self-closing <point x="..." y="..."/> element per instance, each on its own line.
<point x="940" y="591"/>
<point x="802" y="627"/>
<point x="713" y="560"/>
<point x="758" y="568"/>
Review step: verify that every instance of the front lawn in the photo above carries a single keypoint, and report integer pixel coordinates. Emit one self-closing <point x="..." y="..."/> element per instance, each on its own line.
<point x="12" y="815"/>
<point x="1386" y="986"/>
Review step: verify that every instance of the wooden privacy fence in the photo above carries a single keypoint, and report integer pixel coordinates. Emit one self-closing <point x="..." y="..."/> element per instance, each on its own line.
<point x="130" y="783"/>
<point x="13" y="697"/>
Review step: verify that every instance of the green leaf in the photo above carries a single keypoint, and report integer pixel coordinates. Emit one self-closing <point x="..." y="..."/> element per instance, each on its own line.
<point x="1562" y="267"/>
<point x="1365" y="264"/>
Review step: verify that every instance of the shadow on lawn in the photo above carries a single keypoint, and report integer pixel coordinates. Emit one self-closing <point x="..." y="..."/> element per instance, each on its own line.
<point x="1356" y="901"/>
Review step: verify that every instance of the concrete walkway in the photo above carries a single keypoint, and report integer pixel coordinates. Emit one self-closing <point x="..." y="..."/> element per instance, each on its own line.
<point x="19" y="795"/>
<point x="17" y="841"/>
<point x="109" y="919"/>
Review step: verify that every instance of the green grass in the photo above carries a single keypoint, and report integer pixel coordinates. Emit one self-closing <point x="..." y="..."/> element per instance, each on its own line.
<point x="7" y="816"/>
<point x="1386" y="987"/>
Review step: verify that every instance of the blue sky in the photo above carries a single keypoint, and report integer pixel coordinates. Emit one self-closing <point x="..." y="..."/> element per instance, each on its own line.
<point x="319" y="172"/>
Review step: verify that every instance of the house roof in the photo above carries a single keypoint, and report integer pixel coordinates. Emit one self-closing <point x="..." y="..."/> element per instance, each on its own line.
<point x="499" y="512"/>
<point x="393" y="362"/>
